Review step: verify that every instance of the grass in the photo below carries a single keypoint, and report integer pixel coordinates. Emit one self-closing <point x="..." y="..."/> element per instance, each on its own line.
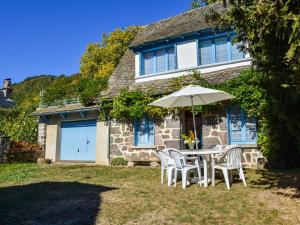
<point x="52" y="194"/>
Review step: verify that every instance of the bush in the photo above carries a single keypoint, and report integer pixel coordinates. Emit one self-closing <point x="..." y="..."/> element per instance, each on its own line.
<point x="23" y="152"/>
<point x="119" y="161"/>
<point x="18" y="124"/>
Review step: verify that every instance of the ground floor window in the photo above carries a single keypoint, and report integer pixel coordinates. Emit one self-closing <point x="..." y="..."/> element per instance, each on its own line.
<point x="144" y="132"/>
<point x="241" y="128"/>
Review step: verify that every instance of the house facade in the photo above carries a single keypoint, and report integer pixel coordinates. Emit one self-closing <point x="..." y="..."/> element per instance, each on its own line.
<point x="5" y="95"/>
<point x="160" y="53"/>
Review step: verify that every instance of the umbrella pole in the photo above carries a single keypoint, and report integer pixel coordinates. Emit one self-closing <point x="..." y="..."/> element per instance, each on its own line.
<point x="194" y="121"/>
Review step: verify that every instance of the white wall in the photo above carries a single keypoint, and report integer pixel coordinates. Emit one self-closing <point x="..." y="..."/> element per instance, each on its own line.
<point x="53" y="134"/>
<point x="187" y="54"/>
<point x="201" y="69"/>
<point x="102" y="143"/>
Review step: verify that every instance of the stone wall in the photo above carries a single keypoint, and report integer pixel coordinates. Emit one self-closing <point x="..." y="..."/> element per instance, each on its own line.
<point x="167" y="135"/>
<point x="214" y="130"/>
<point x="215" y="133"/>
<point x="42" y="129"/>
<point x="4" y="147"/>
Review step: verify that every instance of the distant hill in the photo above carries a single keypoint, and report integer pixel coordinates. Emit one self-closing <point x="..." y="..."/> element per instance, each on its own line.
<point x="26" y="93"/>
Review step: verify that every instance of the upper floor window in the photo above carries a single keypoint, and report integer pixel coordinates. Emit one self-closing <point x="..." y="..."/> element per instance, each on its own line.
<point x="158" y="61"/>
<point x="144" y="132"/>
<point x="218" y="49"/>
<point x="241" y="128"/>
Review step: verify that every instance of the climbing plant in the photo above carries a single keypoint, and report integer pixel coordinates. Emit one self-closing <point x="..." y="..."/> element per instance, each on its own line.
<point x="131" y="105"/>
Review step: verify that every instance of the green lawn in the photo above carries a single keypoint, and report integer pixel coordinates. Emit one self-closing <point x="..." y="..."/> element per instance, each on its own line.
<point x="32" y="194"/>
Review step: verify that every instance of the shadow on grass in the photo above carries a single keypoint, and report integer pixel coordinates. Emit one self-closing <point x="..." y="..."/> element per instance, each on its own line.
<point x="286" y="183"/>
<point x="51" y="203"/>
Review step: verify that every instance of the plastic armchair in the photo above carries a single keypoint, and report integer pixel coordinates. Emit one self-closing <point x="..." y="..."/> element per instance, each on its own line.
<point x="167" y="164"/>
<point x="181" y="165"/>
<point x="229" y="160"/>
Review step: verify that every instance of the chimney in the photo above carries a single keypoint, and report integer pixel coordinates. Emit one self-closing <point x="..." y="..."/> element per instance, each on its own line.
<point x="7" y="88"/>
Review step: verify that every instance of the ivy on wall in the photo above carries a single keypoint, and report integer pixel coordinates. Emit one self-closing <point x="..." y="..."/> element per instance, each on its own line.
<point x="131" y="105"/>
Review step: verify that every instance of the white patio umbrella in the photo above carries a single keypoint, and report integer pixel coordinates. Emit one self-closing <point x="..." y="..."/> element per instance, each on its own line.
<point x="190" y="96"/>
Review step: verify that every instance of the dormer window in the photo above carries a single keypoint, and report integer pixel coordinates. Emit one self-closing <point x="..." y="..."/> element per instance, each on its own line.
<point x="218" y="49"/>
<point x="203" y="52"/>
<point x="158" y="61"/>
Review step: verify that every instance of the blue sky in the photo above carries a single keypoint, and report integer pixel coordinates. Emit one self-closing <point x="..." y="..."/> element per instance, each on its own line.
<point x="49" y="36"/>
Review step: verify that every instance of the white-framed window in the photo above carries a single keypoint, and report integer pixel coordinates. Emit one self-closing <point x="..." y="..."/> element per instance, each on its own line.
<point x="218" y="49"/>
<point x="158" y="61"/>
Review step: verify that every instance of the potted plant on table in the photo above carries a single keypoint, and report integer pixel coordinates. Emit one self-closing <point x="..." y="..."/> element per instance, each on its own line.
<point x="189" y="139"/>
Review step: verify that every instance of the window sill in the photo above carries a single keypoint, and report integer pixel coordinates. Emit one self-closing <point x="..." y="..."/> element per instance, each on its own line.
<point x="144" y="147"/>
<point x="247" y="145"/>
<point x="193" y="68"/>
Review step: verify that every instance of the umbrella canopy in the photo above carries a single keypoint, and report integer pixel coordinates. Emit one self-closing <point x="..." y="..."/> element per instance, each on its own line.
<point x="190" y="96"/>
<point x="199" y="95"/>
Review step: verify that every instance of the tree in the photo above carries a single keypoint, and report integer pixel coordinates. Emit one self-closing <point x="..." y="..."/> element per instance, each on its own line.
<point x="199" y="3"/>
<point x="270" y="31"/>
<point x="100" y="59"/>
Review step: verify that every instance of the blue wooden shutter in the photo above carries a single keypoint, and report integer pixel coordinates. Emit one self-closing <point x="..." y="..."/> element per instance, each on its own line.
<point x="235" y="52"/>
<point x="241" y="128"/>
<point x="171" y="59"/>
<point x="205" y="52"/>
<point x="161" y="61"/>
<point x="221" y="49"/>
<point x="148" y="63"/>
<point x="144" y="132"/>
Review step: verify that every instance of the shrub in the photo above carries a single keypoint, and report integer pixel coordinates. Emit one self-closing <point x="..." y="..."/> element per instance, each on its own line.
<point x="18" y="124"/>
<point x="23" y="152"/>
<point x="119" y="161"/>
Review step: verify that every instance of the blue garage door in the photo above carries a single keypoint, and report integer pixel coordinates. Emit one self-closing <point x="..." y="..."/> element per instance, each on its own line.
<point x="78" y="141"/>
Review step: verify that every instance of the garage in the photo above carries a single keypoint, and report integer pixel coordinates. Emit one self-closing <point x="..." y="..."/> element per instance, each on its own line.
<point x="78" y="141"/>
<point x="73" y="133"/>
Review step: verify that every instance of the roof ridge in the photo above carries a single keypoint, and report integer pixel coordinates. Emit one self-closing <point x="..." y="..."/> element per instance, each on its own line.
<point x="182" y="13"/>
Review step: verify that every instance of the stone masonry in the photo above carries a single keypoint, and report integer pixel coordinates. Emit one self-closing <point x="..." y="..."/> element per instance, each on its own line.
<point x="42" y="134"/>
<point x="167" y="135"/>
<point x="215" y="133"/>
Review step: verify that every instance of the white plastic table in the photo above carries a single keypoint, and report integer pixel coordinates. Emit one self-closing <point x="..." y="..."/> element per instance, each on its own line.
<point x="203" y="152"/>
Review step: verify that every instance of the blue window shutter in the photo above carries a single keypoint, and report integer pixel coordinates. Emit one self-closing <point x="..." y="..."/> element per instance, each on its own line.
<point x="221" y="49"/>
<point x="161" y="61"/>
<point x="141" y="69"/>
<point x="171" y="59"/>
<point x="241" y="128"/>
<point x="149" y="63"/>
<point x="228" y="49"/>
<point x="235" y="52"/>
<point x="175" y="53"/>
<point x="206" y="52"/>
<point x="144" y="132"/>
<point x="150" y="132"/>
<point x="198" y="52"/>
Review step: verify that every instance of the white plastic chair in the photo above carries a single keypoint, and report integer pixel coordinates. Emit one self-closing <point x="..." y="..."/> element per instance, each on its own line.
<point x="182" y="166"/>
<point x="229" y="160"/>
<point x="167" y="164"/>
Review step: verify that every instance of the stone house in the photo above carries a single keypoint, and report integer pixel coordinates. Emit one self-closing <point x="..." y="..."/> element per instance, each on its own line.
<point x="5" y="95"/>
<point x="5" y="102"/>
<point x="161" y="52"/>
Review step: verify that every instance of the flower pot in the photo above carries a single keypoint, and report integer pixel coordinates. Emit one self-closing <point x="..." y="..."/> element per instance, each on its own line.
<point x="191" y="146"/>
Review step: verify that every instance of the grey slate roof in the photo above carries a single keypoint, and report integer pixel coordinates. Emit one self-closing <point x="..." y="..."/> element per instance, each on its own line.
<point x="71" y="108"/>
<point x="166" y="86"/>
<point x="185" y="23"/>
<point x="192" y="21"/>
